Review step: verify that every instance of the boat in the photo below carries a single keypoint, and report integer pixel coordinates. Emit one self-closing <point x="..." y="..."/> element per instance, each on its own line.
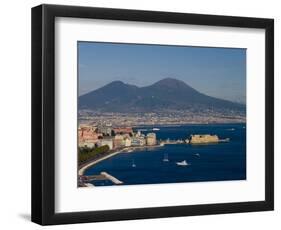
<point x="155" y="129"/>
<point x="182" y="163"/>
<point x="133" y="164"/>
<point x="142" y="130"/>
<point x="197" y="154"/>
<point x="165" y="159"/>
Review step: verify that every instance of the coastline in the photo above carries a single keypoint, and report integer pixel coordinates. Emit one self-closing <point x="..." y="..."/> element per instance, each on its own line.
<point x="159" y="125"/>
<point x="131" y="149"/>
<point x="124" y="150"/>
<point x="91" y="163"/>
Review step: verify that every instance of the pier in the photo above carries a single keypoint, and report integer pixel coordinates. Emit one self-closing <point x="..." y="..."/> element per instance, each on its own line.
<point x="112" y="178"/>
<point x="102" y="176"/>
<point x="172" y="142"/>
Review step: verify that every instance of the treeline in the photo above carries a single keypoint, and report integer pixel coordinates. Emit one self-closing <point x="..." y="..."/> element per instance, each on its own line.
<point x="85" y="153"/>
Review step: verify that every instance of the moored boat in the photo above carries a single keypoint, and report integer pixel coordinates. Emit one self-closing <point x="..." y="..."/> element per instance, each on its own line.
<point x="166" y="159"/>
<point x="182" y="163"/>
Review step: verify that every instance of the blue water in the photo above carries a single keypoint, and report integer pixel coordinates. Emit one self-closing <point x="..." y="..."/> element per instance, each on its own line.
<point x="212" y="162"/>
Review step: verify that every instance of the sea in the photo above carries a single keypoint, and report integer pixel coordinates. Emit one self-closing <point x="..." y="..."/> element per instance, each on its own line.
<point x="206" y="162"/>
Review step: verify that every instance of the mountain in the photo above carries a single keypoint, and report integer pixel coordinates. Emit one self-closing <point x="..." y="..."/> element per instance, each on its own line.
<point x="165" y="94"/>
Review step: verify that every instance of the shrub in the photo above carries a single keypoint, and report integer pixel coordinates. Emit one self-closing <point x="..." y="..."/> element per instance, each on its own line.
<point x="86" y="153"/>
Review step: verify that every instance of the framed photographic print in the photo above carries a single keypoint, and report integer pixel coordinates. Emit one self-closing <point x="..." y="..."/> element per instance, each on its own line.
<point x="142" y="114"/>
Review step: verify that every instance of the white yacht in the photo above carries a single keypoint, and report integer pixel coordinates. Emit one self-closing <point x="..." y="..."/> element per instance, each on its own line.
<point x="182" y="163"/>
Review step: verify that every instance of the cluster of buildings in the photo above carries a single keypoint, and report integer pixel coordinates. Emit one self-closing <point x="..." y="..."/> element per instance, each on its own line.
<point x="120" y="137"/>
<point x="194" y="115"/>
<point x="95" y="136"/>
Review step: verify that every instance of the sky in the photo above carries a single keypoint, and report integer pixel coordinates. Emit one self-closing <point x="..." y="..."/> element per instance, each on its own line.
<point x="217" y="72"/>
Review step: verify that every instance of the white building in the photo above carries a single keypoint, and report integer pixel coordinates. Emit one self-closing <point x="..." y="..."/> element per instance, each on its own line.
<point x="128" y="141"/>
<point x="151" y="139"/>
<point x="118" y="141"/>
<point x="108" y="142"/>
<point x="142" y="140"/>
<point x="87" y="144"/>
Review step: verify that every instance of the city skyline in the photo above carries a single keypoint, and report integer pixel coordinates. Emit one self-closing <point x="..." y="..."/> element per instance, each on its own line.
<point x="217" y="72"/>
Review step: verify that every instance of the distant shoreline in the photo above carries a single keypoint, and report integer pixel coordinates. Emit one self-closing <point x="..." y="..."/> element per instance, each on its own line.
<point x="186" y="124"/>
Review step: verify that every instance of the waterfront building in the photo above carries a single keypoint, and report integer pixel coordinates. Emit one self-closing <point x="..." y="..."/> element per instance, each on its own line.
<point x="138" y="133"/>
<point x="107" y="141"/>
<point x="135" y="141"/>
<point x="87" y="144"/>
<point x="138" y="141"/>
<point x="128" y="141"/>
<point x="151" y="139"/>
<point x="88" y="136"/>
<point x="118" y="141"/>
<point x="142" y="140"/>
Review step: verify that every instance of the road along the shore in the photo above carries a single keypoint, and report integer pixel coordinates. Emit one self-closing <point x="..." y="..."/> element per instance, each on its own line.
<point x="82" y="170"/>
<point x="128" y="149"/>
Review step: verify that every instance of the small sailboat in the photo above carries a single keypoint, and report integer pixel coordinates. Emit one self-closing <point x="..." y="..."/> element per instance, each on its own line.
<point x="165" y="159"/>
<point x="133" y="164"/>
<point x="182" y="163"/>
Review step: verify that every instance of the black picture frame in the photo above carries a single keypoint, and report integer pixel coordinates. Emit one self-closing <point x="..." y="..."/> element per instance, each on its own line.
<point x="43" y="114"/>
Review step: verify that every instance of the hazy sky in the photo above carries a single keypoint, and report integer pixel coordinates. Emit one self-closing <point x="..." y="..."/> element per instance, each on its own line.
<point x="218" y="72"/>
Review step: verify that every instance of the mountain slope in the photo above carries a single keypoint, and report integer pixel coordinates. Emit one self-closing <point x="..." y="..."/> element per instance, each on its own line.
<point x="165" y="94"/>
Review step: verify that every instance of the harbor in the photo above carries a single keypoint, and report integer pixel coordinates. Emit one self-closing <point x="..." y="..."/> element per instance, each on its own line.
<point x="173" y="159"/>
<point x="194" y="139"/>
